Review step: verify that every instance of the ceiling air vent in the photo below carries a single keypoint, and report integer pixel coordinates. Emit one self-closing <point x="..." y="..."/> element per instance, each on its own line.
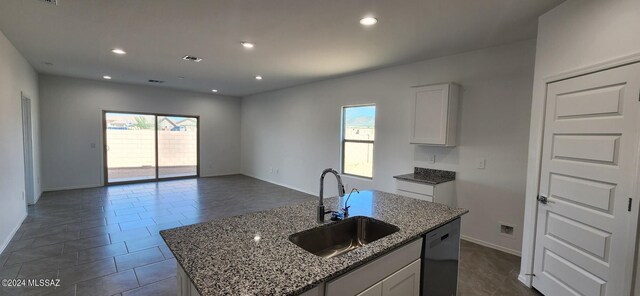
<point x="155" y="81"/>
<point x="52" y="2"/>
<point x="192" y="58"/>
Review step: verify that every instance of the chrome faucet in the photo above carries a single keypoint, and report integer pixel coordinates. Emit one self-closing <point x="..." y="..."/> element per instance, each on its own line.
<point x="345" y="210"/>
<point x="321" y="212"/>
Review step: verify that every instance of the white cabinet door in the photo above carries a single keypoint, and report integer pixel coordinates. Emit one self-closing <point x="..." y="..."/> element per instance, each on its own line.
<point x="375" y="290"/>
<point x="405" y="282"/>
<point x="434" y="115"/>
<point x="372" y="273"/>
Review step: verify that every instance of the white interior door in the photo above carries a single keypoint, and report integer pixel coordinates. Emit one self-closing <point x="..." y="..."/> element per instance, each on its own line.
<point x="27" y="145"/>
<point x="585" y="234"/>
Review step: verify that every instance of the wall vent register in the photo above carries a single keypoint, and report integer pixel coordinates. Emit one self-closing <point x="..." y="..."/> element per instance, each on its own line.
<point x="192" y="58"/>
<point x="52" y="2"/>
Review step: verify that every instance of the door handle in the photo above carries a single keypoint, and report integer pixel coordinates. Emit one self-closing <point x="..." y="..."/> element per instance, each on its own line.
<point x="543" y="199"/>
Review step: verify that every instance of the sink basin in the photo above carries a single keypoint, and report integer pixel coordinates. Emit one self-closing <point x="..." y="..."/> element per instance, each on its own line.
<point x="341" y="237"/>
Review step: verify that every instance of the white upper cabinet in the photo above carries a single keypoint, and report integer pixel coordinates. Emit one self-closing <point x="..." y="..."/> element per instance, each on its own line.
<point x="435" y="114"/>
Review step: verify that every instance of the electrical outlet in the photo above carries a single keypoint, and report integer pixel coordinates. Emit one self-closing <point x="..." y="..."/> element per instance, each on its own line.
<point x="271" y="170"/>
<point x="506" y="229"/>
<point x="432" y="159"/>
<point x="481" y="163"/>
<point x="277" y="171"/>
<point x="22" y="195"/>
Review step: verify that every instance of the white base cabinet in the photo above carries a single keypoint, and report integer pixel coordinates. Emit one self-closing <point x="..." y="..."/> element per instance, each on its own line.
<point x="392" y="274"/>
<point x="395" y="274"/>
<point x="440" y="193"/>
<point x="185" y="287"/>
<point x="405" y="282"/>
<point x="375" y="290"/>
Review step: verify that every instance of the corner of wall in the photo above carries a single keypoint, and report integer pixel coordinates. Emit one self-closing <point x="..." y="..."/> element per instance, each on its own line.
<point x="13" y="232"/>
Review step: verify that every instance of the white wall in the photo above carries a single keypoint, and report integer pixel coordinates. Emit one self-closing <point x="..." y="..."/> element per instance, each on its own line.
<point x="71" y="116"/>
<point x="574" y="35"/>
<point x="16" y="76"/>
<point x="494" y="124"/>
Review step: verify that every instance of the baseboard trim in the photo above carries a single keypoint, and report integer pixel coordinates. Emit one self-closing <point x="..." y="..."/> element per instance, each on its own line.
<point x="72" y="187"/>
<point x="525" y="280"/>
<point x="280" y="184"/>
<point x="101" y="185"/>
<point x="37" y="199"/>
<point x="490" y="245"/>
<point x="220" y="175"/>
<point x="13" y="232"/>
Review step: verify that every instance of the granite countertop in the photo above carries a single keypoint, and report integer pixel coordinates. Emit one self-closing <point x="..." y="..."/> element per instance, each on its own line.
<point x="252" y="255"/>
<point x="428" y="176"/>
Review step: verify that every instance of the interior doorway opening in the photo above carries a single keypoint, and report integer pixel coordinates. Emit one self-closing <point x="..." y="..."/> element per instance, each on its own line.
<point x="27" y="145"/>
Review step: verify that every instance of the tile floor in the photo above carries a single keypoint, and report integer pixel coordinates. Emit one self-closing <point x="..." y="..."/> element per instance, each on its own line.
<point x="488" y="272"/>
<point x="105" y="241"/>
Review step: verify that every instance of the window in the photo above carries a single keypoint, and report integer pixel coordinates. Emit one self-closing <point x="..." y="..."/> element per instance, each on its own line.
<point x="358" y="133"/>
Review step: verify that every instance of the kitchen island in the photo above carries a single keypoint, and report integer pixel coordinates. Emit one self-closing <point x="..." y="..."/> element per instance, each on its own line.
<point x="252" y="254"/>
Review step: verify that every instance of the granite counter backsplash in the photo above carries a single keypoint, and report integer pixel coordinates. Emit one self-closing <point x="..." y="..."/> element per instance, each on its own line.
<point x="428" y="176"/>
<point x="252" y="255"/>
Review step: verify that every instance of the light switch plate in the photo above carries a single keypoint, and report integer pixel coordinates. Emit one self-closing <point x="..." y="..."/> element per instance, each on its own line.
<point x="482" y="163"/>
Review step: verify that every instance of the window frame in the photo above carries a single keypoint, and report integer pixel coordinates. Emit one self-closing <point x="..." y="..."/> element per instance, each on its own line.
<point x="343" y="140"/>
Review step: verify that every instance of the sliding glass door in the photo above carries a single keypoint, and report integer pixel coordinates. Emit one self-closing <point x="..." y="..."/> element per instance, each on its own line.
<point x="177" y="146"/>
<point x="130" y="147"/>
<point x="143" y="147"/>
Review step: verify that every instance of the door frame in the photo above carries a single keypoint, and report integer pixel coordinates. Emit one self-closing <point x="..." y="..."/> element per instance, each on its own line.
<point x="27" y="149"/>
<point x="535" y="165"/>
<point x="105" y="167"/>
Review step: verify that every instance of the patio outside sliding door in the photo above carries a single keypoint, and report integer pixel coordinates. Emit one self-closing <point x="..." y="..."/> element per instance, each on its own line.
<point x="148" y="147"/>
<point x="130" y="147"/>
<point x="177" y="146"/>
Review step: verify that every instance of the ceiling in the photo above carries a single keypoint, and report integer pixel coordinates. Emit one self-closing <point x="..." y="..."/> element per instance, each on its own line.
<point x="297" y="41"/>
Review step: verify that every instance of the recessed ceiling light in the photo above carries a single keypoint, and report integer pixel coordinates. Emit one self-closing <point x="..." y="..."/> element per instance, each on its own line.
<point x="214" y="90"/>
<point x="259" y="77"/>
<point x="248" y="44"/>
<point x="48" y="64"/>
<point x="368" y="21"/>
<point x="180" y="77"/>
<point x="118" y="51"/>
<point x="107" y="77"/>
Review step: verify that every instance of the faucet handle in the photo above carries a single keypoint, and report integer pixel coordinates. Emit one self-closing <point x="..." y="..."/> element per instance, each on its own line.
<point x="337" y="216"/>
<point x="345" y="211"/>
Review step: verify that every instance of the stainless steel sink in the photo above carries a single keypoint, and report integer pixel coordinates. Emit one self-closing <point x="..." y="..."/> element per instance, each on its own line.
<point x="341" y="237"/>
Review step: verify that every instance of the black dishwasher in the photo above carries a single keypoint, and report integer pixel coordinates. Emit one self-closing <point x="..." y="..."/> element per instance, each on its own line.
<point x="440" y="254"/>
